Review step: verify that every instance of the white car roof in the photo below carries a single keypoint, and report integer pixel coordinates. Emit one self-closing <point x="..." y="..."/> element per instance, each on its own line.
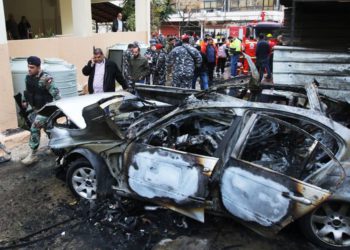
<point x="73" y="107"/>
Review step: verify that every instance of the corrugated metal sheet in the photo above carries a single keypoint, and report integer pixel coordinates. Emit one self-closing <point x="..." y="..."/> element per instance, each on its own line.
<point x="300" y="66"/>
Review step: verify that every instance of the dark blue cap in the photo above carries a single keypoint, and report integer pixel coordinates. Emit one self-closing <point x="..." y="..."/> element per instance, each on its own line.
<point x="34" y="60"/>
<point x="153" y="41"/>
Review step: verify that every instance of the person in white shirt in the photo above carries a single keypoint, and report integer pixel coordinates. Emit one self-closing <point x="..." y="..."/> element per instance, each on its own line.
<point x="118" y="24"/>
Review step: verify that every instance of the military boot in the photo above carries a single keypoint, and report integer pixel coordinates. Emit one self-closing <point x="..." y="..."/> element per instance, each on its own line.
<point x="30" y="158"/>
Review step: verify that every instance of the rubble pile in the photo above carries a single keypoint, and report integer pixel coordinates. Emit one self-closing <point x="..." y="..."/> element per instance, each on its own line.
<point x="135" y="225"/>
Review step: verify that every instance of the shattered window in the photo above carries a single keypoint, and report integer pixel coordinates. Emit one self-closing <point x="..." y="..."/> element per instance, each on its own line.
<point x="320" y="134"/>
<point x="60" y="120"/>
<point x="286" y="149"/>
<point x="322" y="170"/>
<point x="198" y="132"/>
<point x="124" y="113"/>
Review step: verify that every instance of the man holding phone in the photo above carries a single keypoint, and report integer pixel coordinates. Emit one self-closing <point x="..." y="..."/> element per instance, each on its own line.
<point x="102" y="74"/>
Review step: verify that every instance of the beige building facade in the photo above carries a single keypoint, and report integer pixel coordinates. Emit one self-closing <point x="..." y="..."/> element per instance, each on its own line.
<point x="72" y="19"/>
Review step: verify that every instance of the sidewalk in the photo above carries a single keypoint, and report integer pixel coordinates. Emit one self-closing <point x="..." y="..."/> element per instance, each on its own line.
<point x="16" y="141"/>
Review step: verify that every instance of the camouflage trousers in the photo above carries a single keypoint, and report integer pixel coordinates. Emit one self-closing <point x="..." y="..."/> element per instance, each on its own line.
<point x="37" y="125"/>
<point x="169" y="76"/>
<point x="182" y="81"/>
<point x="159" y="78"/>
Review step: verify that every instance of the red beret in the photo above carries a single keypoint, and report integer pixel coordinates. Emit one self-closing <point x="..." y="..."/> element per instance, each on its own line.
<point x="159" y="46"/>
<point x="184" y="37"/>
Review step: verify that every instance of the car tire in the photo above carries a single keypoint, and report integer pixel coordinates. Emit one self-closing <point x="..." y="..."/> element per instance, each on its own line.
<point x="81" y="179"/>
<point x="328" y="226"/>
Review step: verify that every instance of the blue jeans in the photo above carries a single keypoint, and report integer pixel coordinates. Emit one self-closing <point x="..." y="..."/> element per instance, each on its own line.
<point x="203" y="76"/>
<point x="234" y="61"/>
<point x="264" y="64"/>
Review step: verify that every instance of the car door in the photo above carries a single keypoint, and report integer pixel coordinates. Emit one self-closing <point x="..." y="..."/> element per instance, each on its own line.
<point x="276" y="173"/>
<point x="172" y="163"/>
<point x="162" y="173"/>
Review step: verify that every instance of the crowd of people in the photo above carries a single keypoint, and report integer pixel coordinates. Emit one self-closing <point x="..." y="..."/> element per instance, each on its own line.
<point x="180" y="62"/>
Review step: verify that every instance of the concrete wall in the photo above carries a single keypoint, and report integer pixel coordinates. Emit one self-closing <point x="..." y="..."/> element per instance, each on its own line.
<point x="43" y="15"/>
<point x="8" y="117"/>
<point x="66" y="16"/>
<point x="75" y="50"/>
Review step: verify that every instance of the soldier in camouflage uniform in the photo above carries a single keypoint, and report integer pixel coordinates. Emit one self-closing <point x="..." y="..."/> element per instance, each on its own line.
<point x="160" y="69"/>
<point x="40" y="89"/>
<point x="151" y="56"/>
<point x="168" y="48"/>
<point x="184" y="59"/>
<point x="127" y="54"/>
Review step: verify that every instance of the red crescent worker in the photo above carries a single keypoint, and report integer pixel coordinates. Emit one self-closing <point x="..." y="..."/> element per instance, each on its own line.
<point x="249" y="49"/>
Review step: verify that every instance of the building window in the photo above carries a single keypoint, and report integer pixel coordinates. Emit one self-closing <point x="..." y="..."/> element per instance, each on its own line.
<point x="210" y="4"/>
<point x="251" y="5"/>
<point x="234" y="4"/>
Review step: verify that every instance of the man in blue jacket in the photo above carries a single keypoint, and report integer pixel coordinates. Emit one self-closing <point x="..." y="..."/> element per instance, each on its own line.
<point x="262" y="57"/>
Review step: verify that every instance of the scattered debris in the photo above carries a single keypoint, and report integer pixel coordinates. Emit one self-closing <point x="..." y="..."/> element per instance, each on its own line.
<point x="183" y="242"/>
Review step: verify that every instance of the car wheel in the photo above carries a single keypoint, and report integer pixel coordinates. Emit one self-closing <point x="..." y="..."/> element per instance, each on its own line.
<point x="328" y="225"/>
<point x="81" y="179"/>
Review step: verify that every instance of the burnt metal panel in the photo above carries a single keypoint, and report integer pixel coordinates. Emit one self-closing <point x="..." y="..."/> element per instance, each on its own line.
<point x="97" y="130"/>
<point x="177" y="96"/>
<point x="164" y="174"/>
<point x="264" y="197"/>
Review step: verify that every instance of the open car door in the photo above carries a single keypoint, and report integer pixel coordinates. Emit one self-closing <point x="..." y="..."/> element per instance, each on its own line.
<point x="277" y="173"/>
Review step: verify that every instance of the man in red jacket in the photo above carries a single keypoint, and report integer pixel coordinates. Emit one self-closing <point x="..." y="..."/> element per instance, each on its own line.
<point x="249" y="48"/>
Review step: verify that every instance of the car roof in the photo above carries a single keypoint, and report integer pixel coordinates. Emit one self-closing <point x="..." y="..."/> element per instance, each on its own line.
<point x="73" y="107"/>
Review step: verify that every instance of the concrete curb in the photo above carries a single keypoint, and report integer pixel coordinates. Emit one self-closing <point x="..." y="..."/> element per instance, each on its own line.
<point x="14" y="139"/>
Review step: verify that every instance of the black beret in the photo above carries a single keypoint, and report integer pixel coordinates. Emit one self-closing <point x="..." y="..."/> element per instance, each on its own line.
<point x="34" y="60"/>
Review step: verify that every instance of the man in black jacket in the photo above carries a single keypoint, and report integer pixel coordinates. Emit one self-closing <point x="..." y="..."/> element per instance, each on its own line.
<point x="118" y="24"/>
<point x="102" y="74"/>
<point x="201" y="72"/>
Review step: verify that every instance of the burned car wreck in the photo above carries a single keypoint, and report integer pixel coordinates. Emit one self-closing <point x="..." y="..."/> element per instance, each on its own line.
<point x="265" y="165"/>
<point x="310" y="96"/>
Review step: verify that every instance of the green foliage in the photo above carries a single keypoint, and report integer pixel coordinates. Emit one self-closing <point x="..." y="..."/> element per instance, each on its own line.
<point x="130" y="22"/>
<point x="166" y="11"/>
<point x="129" y="13"/>
<point x="160" y="12"/>
<point x="128" y="8"/>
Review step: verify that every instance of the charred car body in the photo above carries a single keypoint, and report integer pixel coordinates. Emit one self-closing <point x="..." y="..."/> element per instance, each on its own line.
<point x="263" y="164"/>
<point x="308" y="97"/>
